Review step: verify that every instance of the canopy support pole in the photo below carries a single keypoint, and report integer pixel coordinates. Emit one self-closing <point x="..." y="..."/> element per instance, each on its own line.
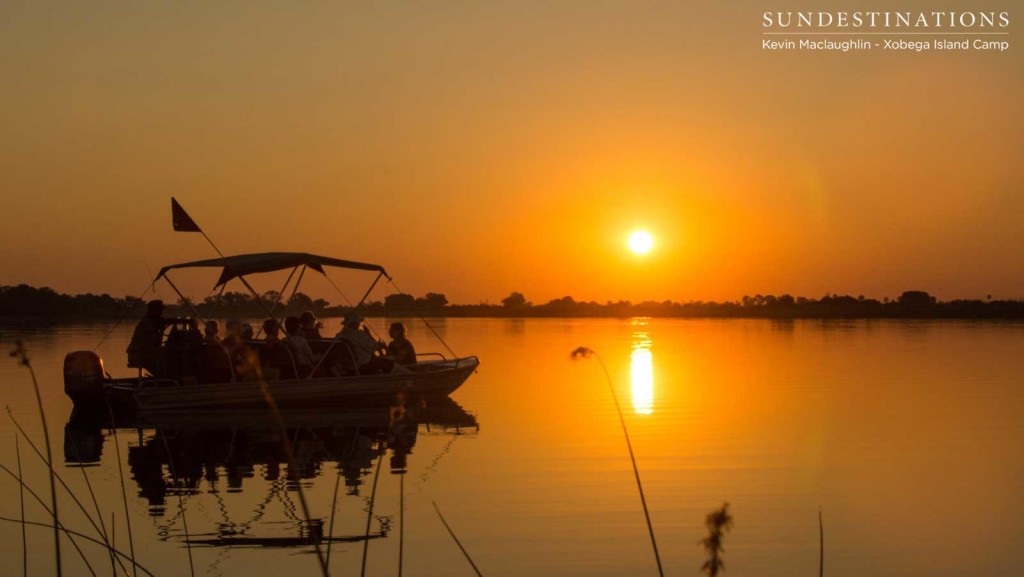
<point x="184" y="299"/>
<point x="277" y="301"/>
<point x="356" y="308"/>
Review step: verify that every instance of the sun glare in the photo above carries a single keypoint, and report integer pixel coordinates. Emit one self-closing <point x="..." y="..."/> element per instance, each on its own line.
<point x="641" y="242"/>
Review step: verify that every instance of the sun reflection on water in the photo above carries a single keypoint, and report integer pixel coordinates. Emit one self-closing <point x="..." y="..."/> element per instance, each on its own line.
<point x="642" y="370"/>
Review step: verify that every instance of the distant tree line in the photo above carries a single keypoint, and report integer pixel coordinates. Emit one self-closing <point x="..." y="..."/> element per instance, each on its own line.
<point x="23" y="301"/>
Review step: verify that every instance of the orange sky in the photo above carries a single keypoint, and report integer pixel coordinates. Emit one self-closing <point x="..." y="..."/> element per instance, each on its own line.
<point x="476" y="150"/>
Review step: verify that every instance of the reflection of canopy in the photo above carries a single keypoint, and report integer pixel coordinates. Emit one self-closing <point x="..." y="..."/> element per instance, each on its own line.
<point x="243" y="264"/>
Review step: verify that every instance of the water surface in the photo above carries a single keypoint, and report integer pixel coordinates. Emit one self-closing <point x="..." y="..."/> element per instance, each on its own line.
<point x="906" y="435"/>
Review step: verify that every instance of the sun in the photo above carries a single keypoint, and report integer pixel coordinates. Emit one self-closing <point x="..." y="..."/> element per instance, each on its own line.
<point x="641" y="242"/>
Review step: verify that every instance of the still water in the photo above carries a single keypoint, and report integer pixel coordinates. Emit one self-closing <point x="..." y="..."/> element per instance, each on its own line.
<point x="907" y="436"/>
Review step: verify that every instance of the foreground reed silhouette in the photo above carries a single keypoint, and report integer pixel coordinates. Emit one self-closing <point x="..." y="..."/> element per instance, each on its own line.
<point x="718" y="523"/>
<point x="21" y="354"/>
<point x="116" y="556"/>
<point x="584" y="353"/>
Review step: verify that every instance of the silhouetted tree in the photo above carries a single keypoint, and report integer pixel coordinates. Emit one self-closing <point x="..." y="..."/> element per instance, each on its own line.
<point x="433" y="301"/>
<point x="399" y="302"/>
<point x="514" y="301"/>
<point x="916" y="298"/>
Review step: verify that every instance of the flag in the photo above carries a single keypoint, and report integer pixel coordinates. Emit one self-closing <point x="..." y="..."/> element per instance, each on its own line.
<point x="180" y="219"/>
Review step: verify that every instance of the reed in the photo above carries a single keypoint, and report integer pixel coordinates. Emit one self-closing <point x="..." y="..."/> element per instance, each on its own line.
<point x="821" y="541"/>
<point x="60" y="527"/>
<point x="401" y="521"/>
<point x="124" y="492"/>
<point x="369" y="512"/>
<point x="181" y="506"/>
<point x="289" y="452"/>
<point x="21" y="502"/>
<point x="21" y="354"/>
<point x="584" y="353"/>
<point x="100" y="529"/>
<point x="718" y="523"/>
<point x="80" y="535"/>
<point x="334" y="511"/>
<point x="456" y="539"/>
<point x="95" y="503"/>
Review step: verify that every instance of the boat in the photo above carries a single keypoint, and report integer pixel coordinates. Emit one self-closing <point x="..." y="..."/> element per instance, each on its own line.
<point x="194" y="376"/>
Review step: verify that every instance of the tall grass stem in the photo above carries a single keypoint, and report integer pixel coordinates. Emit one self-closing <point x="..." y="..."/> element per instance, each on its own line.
<point x="369" y="513"/>
<point x="60" y="526"/>
<point x="334" y="511"/>
<point x="124" y="492"/>
<point x="456" y="539"/>
<point x="22" y="354"/>
<point x="21" y="499"/>
<point x="584" y="351"/>
<point x="821" y="551"/>
<point x="71" y="532"/>
<point x="293" y="467"/>
<point x="181" y="506"/>
<point x="100" y="529"/>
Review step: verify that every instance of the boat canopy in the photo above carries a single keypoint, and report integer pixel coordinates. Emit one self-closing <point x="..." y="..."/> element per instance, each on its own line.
<point x="243" y="264"/>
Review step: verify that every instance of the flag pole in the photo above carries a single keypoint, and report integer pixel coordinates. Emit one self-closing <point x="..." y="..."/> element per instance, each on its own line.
<point x="182" y="222"/>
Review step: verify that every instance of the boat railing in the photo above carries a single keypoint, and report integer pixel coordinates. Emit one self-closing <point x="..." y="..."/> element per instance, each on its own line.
<point x="440" y="356"/>
<point x="151" y="383"/>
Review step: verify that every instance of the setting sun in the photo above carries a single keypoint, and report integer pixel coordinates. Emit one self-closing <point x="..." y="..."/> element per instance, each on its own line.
<point x="641" y="242"/>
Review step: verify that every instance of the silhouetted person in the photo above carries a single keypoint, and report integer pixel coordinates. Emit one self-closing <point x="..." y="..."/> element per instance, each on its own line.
<point x="244" y="361"/>
<point x="364" y="347"/>
<point x="310" y="328"/>
<point x="299" y="346"/>
<point x="271" y="331"/>
<point x="247" y="332"/>
<point x="275" y="360"/>
<point x="144" y="349"/>
<point x="211" y="333"/>
<point x="400" y="349"/>
<point x="233" y="330"/>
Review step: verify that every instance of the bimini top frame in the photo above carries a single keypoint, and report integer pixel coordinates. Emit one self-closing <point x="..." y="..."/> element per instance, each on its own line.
<point x="243" y="264"/>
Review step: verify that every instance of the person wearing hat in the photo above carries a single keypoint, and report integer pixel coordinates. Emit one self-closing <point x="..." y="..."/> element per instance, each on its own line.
<point x="363" y="346"/>
<point x="144" y="349"/>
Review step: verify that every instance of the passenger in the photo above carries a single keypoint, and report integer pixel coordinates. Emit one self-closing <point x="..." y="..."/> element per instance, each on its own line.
<point x="244" y="362"/>
<point x="364" y="347"/>
<point x="144" y="349"/>
<point x="305" y="360"/>
<point x="211" y="332"/>
<point x="247" y="332"/>
<point x="275" y="362"/>
<point x="233" y="328"/>
<point x="271" y="331"/>
<point x="310" y="327"/>
<point x="400" y="349"/>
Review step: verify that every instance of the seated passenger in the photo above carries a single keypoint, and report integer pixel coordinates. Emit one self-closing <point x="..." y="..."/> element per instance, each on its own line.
<point x="233" y="328"/>
<point x="400" y="349"/>
<point x="144" y="349"/>
<point x="271" y="331"/>
<point x="275" y="360"/>
<point x="364" y="347"/>
<point x="310" y="328"/>
<point x="247" y="332"/>
<point x="299" y="346"/>
<point x="211" y="332"/>
<point x="244" y="362"/>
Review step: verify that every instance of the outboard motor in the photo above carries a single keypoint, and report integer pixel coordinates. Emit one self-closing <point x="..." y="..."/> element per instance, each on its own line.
<point x="83" y="375"/>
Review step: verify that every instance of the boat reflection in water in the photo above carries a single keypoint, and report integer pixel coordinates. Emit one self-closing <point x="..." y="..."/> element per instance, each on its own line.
<point x="642" y="369"/>
<point x="218" y="453"/>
